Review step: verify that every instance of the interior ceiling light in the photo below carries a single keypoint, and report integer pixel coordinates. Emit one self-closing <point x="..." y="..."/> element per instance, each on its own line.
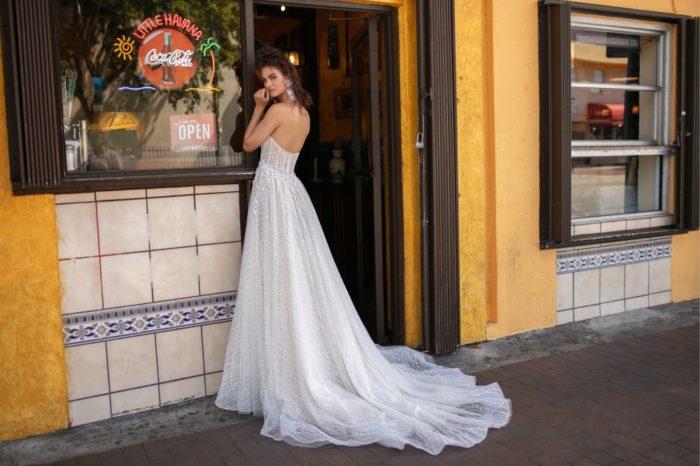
<point x="282" y="8"/>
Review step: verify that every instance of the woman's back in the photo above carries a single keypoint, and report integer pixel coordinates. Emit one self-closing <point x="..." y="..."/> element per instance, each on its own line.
<point x="294" y="127"/>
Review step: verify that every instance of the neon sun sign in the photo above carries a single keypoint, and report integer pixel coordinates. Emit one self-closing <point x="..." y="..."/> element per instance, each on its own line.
<point x="166" y="55"/>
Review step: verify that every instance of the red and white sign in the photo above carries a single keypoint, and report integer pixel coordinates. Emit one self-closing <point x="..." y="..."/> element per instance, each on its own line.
<point x="193" y="132"/>
<point x="167" y="58"/>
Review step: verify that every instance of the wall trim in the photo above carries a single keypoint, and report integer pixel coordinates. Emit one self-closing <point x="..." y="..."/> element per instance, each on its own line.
<point x="597" y="258"/>
<point x="123" y="322"/>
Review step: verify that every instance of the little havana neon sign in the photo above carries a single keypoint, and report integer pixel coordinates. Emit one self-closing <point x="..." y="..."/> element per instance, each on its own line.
<point x="167" y="20"/>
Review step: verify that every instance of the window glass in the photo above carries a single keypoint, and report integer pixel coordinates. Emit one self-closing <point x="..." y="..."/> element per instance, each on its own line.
<point x="615" y="185"/>
<point x="612" y="114"/>
<point x="610" y="57"/>
<point x="151" y="85"/>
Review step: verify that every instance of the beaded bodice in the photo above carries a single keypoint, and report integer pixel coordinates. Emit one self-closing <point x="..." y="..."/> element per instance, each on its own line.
<point x="274" y="157"/>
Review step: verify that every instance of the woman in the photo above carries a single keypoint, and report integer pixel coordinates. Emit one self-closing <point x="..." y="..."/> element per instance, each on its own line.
<point x="298" y="353"/>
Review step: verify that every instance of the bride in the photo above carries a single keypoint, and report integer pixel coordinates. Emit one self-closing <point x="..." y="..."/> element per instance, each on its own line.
<point x="297" y="352"/>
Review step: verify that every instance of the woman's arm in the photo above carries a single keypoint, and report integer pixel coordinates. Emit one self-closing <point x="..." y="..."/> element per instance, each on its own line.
<point x="261" y="126"/>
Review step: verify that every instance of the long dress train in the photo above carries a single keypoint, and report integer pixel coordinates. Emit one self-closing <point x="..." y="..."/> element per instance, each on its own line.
<point x="299" y="355"/>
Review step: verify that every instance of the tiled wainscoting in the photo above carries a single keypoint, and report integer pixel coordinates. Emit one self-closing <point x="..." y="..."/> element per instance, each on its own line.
<point x="598" y="281"/>
<point x="149" y="281"/>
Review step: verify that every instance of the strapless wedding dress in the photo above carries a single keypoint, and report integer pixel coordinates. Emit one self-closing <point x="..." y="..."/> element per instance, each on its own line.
<point x="299" y="355"/>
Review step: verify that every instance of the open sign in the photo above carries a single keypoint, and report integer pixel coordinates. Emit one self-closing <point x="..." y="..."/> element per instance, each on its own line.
<point x="193" y="132"/>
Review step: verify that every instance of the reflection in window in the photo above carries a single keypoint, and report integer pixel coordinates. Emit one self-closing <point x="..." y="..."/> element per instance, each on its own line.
<point x="613" y="114"/>
<point x="151" y="87"/>
<point x="614" y="85"/>
<point x="615" y="185"/>
<point x="601" y="56"/>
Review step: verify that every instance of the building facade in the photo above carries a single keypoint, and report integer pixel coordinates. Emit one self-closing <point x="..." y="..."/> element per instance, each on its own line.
<point x="509" y="166"/>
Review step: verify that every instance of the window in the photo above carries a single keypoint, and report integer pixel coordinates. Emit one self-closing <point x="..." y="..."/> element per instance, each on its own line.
<point x="147" y="95"/>
<point x="619" y="124"/>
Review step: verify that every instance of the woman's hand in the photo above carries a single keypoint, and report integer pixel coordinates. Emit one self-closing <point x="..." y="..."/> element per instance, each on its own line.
<point x="261" y="98"/>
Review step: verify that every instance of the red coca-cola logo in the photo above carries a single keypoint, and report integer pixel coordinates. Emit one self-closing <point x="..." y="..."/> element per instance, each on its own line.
<point x="167" y="59"/>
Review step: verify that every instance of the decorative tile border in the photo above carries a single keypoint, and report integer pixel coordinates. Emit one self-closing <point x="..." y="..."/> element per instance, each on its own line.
<point x="103" y="325"/>
<point x="597" y="258"/>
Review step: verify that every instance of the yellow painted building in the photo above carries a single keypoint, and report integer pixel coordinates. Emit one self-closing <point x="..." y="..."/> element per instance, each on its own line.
<point x="83" y="248"/>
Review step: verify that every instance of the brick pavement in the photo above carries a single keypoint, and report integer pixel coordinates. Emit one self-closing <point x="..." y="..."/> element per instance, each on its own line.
<point x="629" y="402"/>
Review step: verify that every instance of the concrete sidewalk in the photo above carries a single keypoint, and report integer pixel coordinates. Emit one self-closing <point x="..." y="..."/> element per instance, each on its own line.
<point x="621" y="389"/>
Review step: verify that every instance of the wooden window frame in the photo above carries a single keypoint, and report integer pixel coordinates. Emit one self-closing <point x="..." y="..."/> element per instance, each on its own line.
<point x="555" y="123"/>
<point x="34" y="116"/>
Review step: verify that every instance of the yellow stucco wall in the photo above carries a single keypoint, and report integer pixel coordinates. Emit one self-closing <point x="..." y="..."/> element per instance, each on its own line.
<point x="475" y="165"/>
<point x="685" y="266"/>
<point x="33" y="387"/>
<point x="525" y="297"/>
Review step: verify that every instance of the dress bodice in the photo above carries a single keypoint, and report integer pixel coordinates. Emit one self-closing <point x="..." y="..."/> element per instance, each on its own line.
<point x="275" y="157"/>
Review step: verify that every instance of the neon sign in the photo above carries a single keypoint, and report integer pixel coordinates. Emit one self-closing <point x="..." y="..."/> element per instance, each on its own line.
<point x="204" y="48"/>
<point x="166" y="57"/>
<point x="167" y="20"/>
<point x="124" y="47"/>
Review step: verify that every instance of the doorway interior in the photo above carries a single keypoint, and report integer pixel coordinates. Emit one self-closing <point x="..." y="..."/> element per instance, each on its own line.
<point x="350" y="161"/>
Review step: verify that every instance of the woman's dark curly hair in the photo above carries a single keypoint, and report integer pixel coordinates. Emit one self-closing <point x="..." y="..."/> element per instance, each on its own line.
<point x="275" y="58"/>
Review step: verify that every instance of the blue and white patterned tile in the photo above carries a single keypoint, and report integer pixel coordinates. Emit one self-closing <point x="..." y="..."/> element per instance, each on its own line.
<point x="580" y="260"/>
<point x="104" y="325"/>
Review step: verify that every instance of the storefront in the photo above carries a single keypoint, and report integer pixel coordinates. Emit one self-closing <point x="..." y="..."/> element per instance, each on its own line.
<point x="480" y="169"/>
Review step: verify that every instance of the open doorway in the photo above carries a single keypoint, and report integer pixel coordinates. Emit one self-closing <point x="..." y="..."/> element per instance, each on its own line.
<point x="349" y="163"/>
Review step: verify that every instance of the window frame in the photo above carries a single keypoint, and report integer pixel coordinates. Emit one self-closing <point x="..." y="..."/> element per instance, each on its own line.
<point x="35" y="118"/>
<point x="556" y="144"/>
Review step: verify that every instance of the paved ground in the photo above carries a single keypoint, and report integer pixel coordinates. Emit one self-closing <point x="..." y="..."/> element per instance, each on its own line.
<point x="615" y="390"/>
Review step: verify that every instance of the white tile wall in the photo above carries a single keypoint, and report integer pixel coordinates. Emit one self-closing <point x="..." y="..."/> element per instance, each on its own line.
<point x="138" y="399"/>
<point x="215" y="338"/>
<point x="657" y="299"/>
<point x="660" y="275"/>
<point x="638" y="223"/>
<point x="132" y="362"/>
<point x="587" y="312"/>
<point x="180" y="390"/>
<point x="216" y="188"/>
<point x="126" y="279"/>
<point x="71" y="198"/>
<point x="217" y="218"/>
<point x="123" y="248"/>
<point x="609" y="290"/>
<point x="586" y="229"/>
<point x="123" y="226"/>
<point x="636" y="279"/>
<point x="125" y="194"/>
<point x="586" y="288"/>
<point x="179" y="354"/>
<point x="77" y="226"/>
<point x="613" y="226"/>
<point x="612" y="283"/>
<point x="87" y="371"/>
<point x="174" y="273"/>
<point x="612" y="307"/>
<point x="81" y="287"/>
<point x="564" y="317"/>
<point x="88" y="410"/>
<point x="213" y="382"/>
<point x="165" y="192"/>
<point x="565" y="291"/>
<point x="636" y="303"/>
<point x="171" y="222"/>
<point x="219" y="265"/>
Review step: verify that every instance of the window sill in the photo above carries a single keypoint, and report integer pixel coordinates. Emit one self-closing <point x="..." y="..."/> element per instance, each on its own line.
<point x="131" y="180"/>
<point x="618" y="236"/>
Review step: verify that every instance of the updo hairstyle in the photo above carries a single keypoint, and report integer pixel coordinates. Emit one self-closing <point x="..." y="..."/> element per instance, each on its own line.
<point x="275" y="58"/>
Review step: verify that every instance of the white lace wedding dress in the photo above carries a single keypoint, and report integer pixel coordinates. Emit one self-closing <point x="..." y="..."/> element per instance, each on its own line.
<point x="299" y="355"/>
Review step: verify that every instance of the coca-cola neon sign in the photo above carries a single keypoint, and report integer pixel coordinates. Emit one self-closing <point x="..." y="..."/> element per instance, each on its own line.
<point x="166" y="56"/>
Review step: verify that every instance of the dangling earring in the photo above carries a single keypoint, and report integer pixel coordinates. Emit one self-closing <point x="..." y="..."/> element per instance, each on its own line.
<point x="290" y="92"/>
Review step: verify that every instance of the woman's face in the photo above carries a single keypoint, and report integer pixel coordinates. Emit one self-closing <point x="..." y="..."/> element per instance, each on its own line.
<point x="273" y="80"/>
